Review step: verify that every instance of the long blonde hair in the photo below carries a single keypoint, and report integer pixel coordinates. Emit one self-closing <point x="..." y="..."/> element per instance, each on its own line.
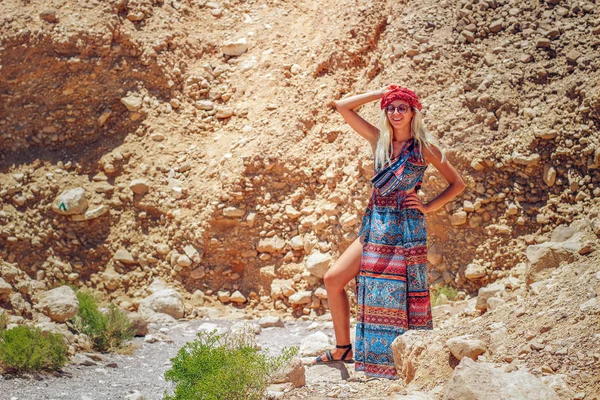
<point x="418" y="131"/>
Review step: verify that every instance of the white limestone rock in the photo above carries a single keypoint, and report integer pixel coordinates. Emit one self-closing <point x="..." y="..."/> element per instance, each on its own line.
<point x="487" y="292"/>
<point x="465" y="346"/>
<point x="319" y="263"/>
<point x="235" y="47"/>
<point x="270" y="322"/>
<point x="165" y="301"/>
<point x="478" y="381"/>
<point x="59" y="304"/>
<point x="70" y="202"/>
<point x="314" y="344"/>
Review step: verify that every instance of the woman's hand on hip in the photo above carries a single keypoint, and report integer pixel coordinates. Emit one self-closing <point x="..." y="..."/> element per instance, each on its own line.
<point x="412" y="201"/>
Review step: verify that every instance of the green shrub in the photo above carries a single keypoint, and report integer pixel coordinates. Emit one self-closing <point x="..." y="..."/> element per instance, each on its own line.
<point x="448" y="291"/>
<point x="223" y="367"/>
<point x="108" y="331"/>
<point x="28" y="349"/>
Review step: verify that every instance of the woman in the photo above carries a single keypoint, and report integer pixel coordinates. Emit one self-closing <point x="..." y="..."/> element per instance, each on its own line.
<point x="389" y="258"/>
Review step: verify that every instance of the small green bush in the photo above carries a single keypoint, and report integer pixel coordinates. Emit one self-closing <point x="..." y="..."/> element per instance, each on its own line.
<point x="23" y="349"/>
<point x="448" y="291"/>
<point x="215" y="367"/>
<point x="108" y="331"/>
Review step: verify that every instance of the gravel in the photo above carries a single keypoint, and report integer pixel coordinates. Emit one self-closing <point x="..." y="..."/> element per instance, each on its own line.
<point x="140" y="374"/>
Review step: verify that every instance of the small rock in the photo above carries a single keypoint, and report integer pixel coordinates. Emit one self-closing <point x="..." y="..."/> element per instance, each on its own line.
<point x="70" y="202"/>
<point x="139" y="186"/>
<point x="206" y="105"/>
<point x="458" y="218"/>
<point x="299" y="298"/>
<point x="475" y="271"/>
<point x="235" y="48"/>
<point x="138" y="324"/>
<point x="82" y="359"/>
<point x="294" y="372"/>
<point x="49" y="15"/>
<point x="5" y="289"/>
<point x="271" y="321"/>
<point x="237" y="297"/>
<point x="233" y="212"/>
<point x="224" y="112"/>
<point x="133" y="103"/>
<point x="124" y="256"/>
<point x="573" y="56"/>
<point x="496" y="26"/>
<point x="464" y="346"/>
<point x="468" y="35"/>
<point x="485" y="293"/>
<point x="271" y="245"/>
<point x="223" y="296"/>
<point x="96" y="212"/>
<point x="542" y="43"/>
<point x="184" y="261"/>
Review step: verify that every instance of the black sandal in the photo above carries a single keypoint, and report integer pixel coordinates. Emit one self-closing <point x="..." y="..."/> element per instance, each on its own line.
<point x="330" y="359"/>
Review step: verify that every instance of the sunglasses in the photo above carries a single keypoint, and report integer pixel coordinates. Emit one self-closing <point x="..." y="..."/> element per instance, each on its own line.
<point x="402" y="109"/>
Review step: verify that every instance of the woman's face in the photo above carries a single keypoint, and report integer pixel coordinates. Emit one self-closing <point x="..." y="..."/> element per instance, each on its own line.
<point x="399" y="113"/>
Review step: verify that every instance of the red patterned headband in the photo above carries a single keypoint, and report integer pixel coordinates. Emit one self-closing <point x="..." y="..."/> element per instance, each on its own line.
<point x="400" y="93"/>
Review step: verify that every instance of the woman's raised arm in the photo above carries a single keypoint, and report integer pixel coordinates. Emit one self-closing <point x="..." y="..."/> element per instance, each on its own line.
<point x="360" y="125"/>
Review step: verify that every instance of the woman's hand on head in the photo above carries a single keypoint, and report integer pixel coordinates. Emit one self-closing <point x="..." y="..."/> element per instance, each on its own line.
<point x="385" y="89"/>
<point x="412" y="201"/>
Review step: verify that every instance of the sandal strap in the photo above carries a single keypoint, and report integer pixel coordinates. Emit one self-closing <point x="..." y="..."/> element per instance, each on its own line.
<point x="346" y="353"/>
<point x="329" y="355"/>
<point x="346" y="346"/>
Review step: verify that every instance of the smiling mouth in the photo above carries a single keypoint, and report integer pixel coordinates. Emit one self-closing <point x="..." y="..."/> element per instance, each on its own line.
<point x="397" y="119"/>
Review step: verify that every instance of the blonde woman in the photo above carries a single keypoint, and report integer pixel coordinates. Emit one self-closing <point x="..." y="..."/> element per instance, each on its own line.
<point x="389" y="258"/>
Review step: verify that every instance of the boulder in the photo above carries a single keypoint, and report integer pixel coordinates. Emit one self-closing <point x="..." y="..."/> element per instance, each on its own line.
<point x="5" y="289"/>
<point x="465" y="346"/>
<point x="485" y="293"/>
<point x="300" y="298"/>
<point x="59" y="304"/>
<point x="294" y="372"/>
<point x="564" y="244"/>
<point x="70" y="202"/>
<point x="314" y="344"/>
<point x="282" y="288"/>
<point x="407" y="348"/>
<point x="165" y="301"/>
<point x="435" y="255"/>
<point x="139" y="324"/>
<point x="318" y="264"/>
<point x="482" y="381"/>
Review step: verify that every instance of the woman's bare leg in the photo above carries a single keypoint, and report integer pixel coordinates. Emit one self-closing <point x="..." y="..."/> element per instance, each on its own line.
<point x="344" y="269"/>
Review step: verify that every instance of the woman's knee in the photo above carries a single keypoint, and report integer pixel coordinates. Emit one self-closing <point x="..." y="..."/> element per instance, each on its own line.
<point x="331" y="280"/>
<point x="334" y="281"/>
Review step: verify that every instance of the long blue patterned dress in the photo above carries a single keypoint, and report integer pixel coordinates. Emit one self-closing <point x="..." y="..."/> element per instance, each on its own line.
<point x="392" y="288"/>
